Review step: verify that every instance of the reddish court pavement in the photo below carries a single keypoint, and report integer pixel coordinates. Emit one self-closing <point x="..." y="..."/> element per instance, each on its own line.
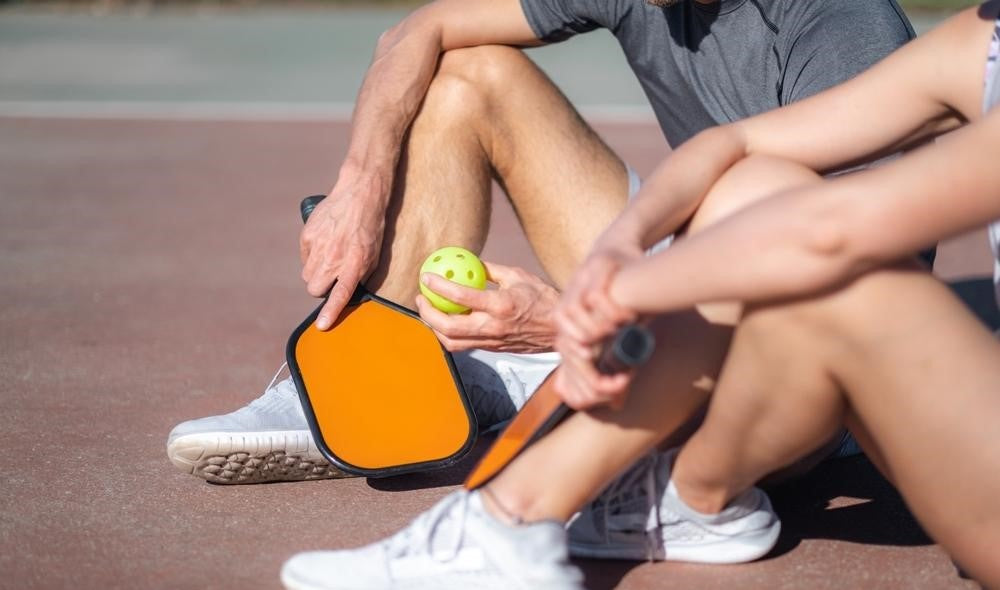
<point x="150" y="275"/>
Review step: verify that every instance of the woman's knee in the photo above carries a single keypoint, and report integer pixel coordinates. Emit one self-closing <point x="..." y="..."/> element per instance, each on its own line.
<point x="747" y="181"/>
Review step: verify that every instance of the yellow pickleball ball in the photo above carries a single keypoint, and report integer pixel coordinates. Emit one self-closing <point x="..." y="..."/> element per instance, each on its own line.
<point x="457" y="265"/>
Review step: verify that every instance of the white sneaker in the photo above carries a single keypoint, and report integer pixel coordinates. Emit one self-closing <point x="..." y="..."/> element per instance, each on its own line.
<point x="640" y="516"/>
<point x="267" y="440"/>
<point x="454" y="545"/>
<point x="499" y="383"/>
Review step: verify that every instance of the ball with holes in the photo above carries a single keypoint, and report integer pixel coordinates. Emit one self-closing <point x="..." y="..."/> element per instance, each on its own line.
<point x="457" y="265"/>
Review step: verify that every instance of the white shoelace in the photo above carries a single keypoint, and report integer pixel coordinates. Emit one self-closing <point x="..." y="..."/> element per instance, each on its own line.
<point x="276" y="375"/>
<point x="418" y="538"/>
<point x="512" y="382"/>
<point x="265" y="399"/>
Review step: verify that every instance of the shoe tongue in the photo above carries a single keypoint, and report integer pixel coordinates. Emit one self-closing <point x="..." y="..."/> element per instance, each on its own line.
<point x="446" y="533"/>
<point x="628" y="500"/>
<point x="628" y="511"/>
<point x="286" y="388"/>
<point x="281" y="399"/>
<point x="542" y="541"/>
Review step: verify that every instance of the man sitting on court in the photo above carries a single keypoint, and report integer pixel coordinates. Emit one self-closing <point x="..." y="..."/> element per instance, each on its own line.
<point x="450" y="104"/>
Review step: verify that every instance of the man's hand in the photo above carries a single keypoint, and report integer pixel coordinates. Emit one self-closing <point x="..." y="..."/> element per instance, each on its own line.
<point x="586" y="318"/>
<point x="340" y="242"/>
<point x="343" y="238"/>
<point x="515" y="317"/>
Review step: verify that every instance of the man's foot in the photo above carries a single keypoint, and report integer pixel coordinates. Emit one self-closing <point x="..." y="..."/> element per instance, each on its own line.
<point x="640" y="516"/>
<point x="499" y="383"/>
<point x="456" y="544"/>
<point x="267" y="440"/>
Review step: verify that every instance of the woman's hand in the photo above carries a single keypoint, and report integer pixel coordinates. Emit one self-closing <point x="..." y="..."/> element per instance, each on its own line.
<point x="585" y="319"/>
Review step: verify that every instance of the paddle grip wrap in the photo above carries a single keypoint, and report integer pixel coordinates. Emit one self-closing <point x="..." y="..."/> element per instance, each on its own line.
<point x="631" y="346"/>
<point x="308" y="204"/>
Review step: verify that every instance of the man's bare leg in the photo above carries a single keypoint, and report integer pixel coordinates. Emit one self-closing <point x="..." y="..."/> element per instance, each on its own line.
<point x="916" y="377"/>
<point x="490" y="112"/>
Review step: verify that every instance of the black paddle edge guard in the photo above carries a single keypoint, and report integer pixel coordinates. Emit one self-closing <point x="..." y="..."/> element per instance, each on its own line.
<point x="360" y="295"/>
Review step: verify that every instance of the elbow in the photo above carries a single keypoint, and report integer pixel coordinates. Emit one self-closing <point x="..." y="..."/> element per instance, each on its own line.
<point x="420" y="22"/>
<point x="729" y="137"/>
<point x="851" y="241"/>
<point x="387" y="40"/>
<point x="830" y="243"/>
<point x="852" y="234"/>
<point x="392" y="36"/>
<point x="827" y="235"/>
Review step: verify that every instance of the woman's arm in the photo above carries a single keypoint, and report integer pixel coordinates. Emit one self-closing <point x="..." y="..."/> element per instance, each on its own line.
<point x="928" y="87"/>
<point x="806" y="240"/>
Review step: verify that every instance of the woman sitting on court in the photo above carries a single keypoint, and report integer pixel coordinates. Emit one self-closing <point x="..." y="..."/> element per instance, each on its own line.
<point x="840" y="328"/>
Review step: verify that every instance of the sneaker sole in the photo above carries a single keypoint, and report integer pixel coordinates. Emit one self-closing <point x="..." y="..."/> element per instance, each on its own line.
<point x="746" y="548"/>
<point x="247" y="458"/>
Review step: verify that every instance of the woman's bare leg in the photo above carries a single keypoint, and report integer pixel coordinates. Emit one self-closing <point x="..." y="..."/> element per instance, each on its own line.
<point x="913" y="372"/>
<point x="591" y="448"/>
<point x="557" y="475"/>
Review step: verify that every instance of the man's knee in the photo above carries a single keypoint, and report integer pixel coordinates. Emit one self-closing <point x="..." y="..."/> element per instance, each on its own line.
<point x="749" y="180"/>
<point x="469" y="80"/>
<point x="490" y="68"/>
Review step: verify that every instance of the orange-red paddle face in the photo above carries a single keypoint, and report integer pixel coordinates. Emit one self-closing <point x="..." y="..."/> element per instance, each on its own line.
<point x="381" y="392"/>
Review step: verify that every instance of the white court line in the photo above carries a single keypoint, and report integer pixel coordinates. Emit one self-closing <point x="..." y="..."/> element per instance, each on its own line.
<point x="177" y="111"/>
<point x="246" y="111"/>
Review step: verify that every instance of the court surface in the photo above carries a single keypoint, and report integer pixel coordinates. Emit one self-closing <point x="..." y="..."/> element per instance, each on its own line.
<point x="150" y="275"/>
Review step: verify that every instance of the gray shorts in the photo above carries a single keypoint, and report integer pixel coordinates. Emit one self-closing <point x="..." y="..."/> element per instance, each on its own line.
<point x="634" y="184"/>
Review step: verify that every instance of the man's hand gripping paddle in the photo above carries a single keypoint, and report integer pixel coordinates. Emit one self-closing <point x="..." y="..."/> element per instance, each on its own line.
<point x="631" y="346"/>
<point x="381" y="395"/>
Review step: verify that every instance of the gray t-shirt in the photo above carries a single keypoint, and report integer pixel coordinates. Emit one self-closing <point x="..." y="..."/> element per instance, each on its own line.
<point x="702" y="65"/>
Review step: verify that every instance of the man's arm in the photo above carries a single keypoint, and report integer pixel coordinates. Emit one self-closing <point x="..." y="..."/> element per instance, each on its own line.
<point x="343" y="237"/>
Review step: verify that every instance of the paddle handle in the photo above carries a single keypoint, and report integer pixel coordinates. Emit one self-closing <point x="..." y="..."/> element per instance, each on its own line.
<point x="308" y="204"/>
<point x="630" y="347"/>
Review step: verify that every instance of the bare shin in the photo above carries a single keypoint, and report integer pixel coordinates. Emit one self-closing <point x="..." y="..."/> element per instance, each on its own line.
<point x="914" y="374"/>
